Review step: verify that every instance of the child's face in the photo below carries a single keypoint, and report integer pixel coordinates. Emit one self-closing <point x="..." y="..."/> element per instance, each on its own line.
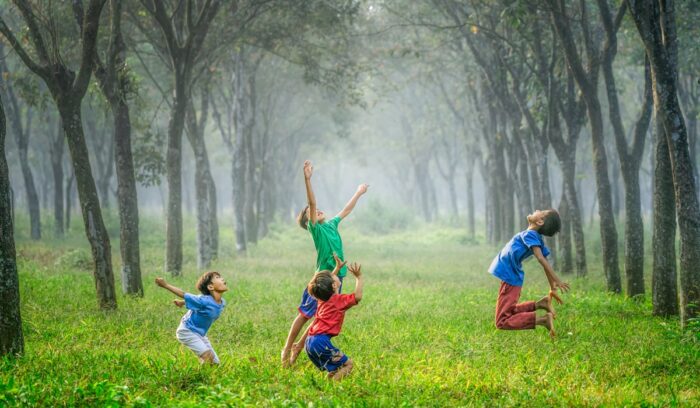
<point x="320" y="215"/>
<point x="218" y="284"/>
<point x="536" y="218"/>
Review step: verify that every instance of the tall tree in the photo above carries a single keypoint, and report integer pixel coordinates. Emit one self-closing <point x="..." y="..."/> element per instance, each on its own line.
<point x="587" y="81"/>
<point x="184" y="27"/>
<point x="630" y="156"/>
<point x="21" y="132"/>
<point x="68" y="88"/>
<point x="656" y="24"/>
<point x="11" y="337"/>
<point x="115" y="83"/>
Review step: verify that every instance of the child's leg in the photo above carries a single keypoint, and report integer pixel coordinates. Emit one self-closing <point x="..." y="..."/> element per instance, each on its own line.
<point x="297" y="325"/>
<point x="341" y="372"/>
<point x="548" y="322"/>
<point x="199" y="345"/>
<point x="209" y="356"/>
<point x="546" y="304"/>
<point x="511" y="315"/>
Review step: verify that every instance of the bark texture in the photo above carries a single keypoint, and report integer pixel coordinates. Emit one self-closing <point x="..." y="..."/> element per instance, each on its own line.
<point x="11" y="337"/>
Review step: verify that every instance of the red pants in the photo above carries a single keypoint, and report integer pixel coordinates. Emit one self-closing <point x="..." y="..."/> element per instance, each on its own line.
<point x="511" y="315"/>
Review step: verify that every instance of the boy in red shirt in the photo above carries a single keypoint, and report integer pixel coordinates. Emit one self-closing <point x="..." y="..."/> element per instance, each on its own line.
<point x="329" y="319"/>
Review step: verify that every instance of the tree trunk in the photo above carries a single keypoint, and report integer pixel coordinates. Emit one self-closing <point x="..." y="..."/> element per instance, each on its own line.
<point x="69" y="197"/>
<point x="173" y="231"/>
<point x="214" y="219"/>
<point x="127" y="200"/>
<point x="203" y="184"/>
<point x="664" y="283"/>
<point x="251" y="217"/>
<point x="574" y="215"/>
<point x="241" y="119"/>
<point x="470" y="200"/>
<point x="11" y="337"/>
<point x="90" y="206"/>
<point x="566" y="267"/>
<point x="57" y="146"/>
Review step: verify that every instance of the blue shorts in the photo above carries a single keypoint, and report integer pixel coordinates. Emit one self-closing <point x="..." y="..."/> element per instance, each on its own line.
<point x="323" y="353"/>
<point x="308" y="304"/>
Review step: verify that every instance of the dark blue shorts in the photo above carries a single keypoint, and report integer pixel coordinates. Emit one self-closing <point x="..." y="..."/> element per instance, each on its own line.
<point x="308" y="304"/>
<point x="323" y="353"/>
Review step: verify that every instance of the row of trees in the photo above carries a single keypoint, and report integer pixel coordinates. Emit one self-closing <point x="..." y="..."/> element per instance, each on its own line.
<point x="196" y="55"/>
<point x="508" y="91"/>
<point x="494" y="87"/>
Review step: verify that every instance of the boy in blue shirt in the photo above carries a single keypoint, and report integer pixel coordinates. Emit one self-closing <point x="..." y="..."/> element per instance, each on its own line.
<point x="328" y="244"/>
<point x="507" y="266"/>
<point x="202" y="311"/>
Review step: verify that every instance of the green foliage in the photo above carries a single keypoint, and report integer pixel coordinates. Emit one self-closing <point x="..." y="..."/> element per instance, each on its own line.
<point x="75" y="259"/>
<point x="149" y="161"/>
<point x="376" y="218"/>
<point x="423" y="334"/>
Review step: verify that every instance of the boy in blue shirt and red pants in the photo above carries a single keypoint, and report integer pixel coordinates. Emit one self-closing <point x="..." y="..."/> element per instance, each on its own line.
<point x="507" y="266"/>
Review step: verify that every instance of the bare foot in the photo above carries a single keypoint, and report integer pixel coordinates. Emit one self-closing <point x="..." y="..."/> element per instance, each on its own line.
<point x="296" y="350"/>
<point x="285" y="357"/>
<point x="341" y="372"/>
<point x="549" y="324"/>
<point x="546" y="304"/>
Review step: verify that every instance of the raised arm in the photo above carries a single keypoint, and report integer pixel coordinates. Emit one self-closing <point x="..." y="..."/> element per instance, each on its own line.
<point x="165" y="285"/>
<point x="355" y="269"/>
<point x="310" y="197"/>
<point x="361" y="189"/>
<point x="338" y="264"/>
<point x="554" y="281"/>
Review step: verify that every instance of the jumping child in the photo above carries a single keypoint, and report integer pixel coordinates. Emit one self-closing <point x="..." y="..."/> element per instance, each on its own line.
<point x="203" y="310"/>
<point x="327" y="242"/>
<point x="328" y="321"/>
<point x="507" y="266"/>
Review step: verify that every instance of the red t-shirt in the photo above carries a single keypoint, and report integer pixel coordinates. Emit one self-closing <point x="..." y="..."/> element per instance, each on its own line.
<point x="330" y="314"/>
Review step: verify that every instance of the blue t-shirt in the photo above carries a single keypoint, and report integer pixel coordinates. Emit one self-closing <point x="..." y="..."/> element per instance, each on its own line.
<point x="203" y="310"/>
<point x="508" y="264"/>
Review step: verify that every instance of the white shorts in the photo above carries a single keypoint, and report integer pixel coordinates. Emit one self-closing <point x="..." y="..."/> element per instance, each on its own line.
<point x="198" y="344"/>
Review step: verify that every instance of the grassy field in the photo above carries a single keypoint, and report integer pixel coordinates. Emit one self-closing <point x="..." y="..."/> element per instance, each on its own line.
<point x="422" y="336"/>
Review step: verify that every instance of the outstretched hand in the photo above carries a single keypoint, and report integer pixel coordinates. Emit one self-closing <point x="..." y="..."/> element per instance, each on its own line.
<point x="355" y="269"/>
<point x="562" y="286"/>
<point x="338" y="263"/>
<point x="161" y="282"/>
<point x="362" y="188"/>
<point x="308" y="169"/>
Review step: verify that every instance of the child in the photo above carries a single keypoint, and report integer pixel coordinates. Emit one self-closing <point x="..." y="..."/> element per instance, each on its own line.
<point x="328" y="321"/>
<point x="507" y="266"/>
<point x="203" y="310"/>
<point x="327" y="242"/>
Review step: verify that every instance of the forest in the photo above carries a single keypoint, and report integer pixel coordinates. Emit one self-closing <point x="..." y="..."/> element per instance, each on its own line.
<point x="148" y="139"/>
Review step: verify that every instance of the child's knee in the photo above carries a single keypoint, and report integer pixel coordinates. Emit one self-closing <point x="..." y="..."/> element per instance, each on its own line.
<point x="207" y="357"/>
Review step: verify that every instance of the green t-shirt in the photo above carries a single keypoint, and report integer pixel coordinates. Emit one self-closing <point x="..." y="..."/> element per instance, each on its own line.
<point x="327" y="241"/>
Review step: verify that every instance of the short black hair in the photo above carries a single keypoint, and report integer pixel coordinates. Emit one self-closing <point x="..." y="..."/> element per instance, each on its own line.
<point x="552" y="223"/>
<point x="302" y="218"/>
<point x="321" y="286"/>
<point x="205" y="280"/>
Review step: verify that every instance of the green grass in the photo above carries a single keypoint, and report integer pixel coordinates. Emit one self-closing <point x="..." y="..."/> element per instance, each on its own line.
<point x="422" y="336"/>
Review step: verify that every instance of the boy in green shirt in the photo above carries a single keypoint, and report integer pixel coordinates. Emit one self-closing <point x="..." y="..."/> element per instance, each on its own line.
<point x="327" y="242"/>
